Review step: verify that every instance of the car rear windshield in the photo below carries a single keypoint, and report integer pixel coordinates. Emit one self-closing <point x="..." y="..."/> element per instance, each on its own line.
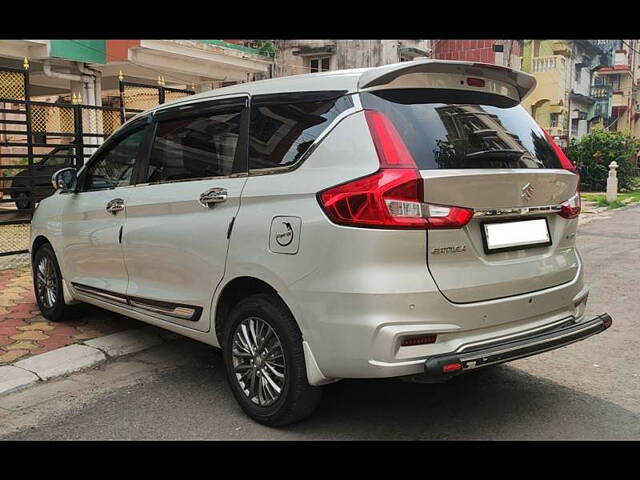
<point x="445" y="129"/>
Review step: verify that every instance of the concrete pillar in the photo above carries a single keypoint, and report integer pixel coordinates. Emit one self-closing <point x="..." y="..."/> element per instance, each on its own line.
<point x="612" y="182"/>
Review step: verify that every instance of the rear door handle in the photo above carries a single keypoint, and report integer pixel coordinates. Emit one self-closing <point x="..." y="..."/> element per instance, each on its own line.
<point x="213" y="196"/>
<point x="115" y="205"/>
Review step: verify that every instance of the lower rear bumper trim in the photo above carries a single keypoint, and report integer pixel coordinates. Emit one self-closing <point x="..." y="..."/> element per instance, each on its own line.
<point x="512" y="350"/>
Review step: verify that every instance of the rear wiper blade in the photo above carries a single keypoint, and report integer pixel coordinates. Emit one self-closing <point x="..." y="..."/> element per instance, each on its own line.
<point x="515" y="154"/>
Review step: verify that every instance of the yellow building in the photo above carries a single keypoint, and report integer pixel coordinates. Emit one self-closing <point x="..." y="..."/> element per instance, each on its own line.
<point x="548" y="61"/>
<point x="564" y="101"/>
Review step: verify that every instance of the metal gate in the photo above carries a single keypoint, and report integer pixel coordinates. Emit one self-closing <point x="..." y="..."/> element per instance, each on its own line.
<point x="36" y="140"/>
<point x="39" y="138"/>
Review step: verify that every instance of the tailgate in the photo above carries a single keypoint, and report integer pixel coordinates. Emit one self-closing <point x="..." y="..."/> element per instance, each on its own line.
<point x="457" y="259"/>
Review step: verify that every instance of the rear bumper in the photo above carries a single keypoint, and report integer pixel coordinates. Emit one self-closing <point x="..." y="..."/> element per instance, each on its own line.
<point x="438" y="368"/>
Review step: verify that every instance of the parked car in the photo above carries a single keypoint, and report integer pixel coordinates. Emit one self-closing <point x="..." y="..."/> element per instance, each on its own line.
<point x="410" y="220"/>
<point x="23" y="193"/>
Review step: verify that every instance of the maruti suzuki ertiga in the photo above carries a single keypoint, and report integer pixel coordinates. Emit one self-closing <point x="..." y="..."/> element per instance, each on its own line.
<point x="410" y="220"/>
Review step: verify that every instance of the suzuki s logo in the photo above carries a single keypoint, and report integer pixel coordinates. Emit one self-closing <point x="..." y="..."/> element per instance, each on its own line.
<point x="527" y="191"/>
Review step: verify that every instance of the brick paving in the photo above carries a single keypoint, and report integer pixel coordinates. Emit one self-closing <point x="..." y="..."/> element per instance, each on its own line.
<point x="23" y="330"/>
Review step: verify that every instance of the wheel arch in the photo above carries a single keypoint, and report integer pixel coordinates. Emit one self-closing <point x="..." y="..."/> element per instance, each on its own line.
<point x="236" y="290"/>
<point x="37" y="243"/>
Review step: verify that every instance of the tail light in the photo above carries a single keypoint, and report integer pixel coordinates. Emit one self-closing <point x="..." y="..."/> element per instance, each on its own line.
<point x="570" y="208"/>
<point x="392" y="196"/>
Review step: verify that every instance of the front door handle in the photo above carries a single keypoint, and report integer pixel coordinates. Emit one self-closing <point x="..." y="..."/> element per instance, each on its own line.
<point x="115" y="205"/>
<point x="213" y="196"/>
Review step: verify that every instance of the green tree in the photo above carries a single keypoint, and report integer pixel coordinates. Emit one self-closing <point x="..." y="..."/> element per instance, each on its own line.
<point x="593" y="153"/>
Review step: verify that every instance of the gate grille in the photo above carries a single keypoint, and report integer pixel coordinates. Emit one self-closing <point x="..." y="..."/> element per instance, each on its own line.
<point x="138" y="97"/>
<point x="12" y="84"/>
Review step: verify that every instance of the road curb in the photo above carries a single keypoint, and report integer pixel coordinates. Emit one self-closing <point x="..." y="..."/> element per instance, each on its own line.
<point x="15" y="378"/>
<point x="125" y="343"/>
<point x="79" y="356"/>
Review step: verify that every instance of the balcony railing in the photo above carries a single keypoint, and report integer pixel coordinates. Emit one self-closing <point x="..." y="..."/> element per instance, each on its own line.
<point x="601" y="91"/>
<point x="548" y="64"/>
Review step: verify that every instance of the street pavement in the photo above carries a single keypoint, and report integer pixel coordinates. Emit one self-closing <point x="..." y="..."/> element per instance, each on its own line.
<point x="586" y="391"/>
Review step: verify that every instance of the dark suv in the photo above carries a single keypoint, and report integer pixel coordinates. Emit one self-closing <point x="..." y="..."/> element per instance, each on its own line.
<point x="21" y="192"/>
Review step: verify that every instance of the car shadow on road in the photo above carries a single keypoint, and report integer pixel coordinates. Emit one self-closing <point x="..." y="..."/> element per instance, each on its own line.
<point x="495" y="403"/>
<point x="500" y="402"/>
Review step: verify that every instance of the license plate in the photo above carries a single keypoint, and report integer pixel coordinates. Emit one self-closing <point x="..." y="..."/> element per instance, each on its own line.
<point x="503" y="236"/>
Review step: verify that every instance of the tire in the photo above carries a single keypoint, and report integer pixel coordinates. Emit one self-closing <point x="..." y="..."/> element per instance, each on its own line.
<point x="22" y="201"/>
<point x="296" y="399"/>
<point x="47" y="278"/>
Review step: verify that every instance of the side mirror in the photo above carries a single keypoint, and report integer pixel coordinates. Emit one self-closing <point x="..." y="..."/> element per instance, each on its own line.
<point x="65" y="179"/>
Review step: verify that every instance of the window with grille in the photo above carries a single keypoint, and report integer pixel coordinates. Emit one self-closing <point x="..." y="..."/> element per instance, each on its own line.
<point x="319" y="64"/>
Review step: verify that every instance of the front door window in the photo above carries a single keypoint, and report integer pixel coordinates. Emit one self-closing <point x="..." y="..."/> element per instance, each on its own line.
<point x="114" y="168"/>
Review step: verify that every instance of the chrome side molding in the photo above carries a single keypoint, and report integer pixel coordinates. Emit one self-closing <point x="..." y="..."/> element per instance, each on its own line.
<point x="163" y="310"/>
<point x="100" y="294"/>
<point x="181" y="312"/>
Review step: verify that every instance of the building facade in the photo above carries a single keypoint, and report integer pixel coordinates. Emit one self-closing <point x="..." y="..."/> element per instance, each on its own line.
<point x="296" y="57"/>
<point x="499" y="52"/>
<point x="91" y="69"/>
<point x="621" y="78"/>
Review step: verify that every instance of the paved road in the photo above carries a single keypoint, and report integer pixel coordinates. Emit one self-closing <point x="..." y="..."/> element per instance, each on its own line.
<point x="589" y="390"/>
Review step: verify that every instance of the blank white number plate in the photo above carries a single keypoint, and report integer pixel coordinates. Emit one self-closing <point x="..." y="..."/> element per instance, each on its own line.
<point x="516" y="234"/>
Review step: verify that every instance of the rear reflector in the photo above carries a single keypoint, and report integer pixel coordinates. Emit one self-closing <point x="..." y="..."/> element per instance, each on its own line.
<point x="475" y="82"/>
<point x="452" y="367"/>
<point x="419" y="340"/>
<point x="392" y="196"/>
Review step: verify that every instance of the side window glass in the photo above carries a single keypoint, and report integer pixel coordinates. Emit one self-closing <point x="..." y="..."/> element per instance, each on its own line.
<point x="115" y="167"/>
<point x="60" y="157"/>
<point x="195" y="147"/>
<point x="280" y="133"/>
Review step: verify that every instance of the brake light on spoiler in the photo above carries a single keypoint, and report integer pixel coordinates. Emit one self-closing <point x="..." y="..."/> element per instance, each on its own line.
<point x="392" y="197"/>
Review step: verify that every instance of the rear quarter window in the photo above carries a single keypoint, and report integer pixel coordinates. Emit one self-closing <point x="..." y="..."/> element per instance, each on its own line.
<point x="282" y="129"/>
<point x="448" y="130"/>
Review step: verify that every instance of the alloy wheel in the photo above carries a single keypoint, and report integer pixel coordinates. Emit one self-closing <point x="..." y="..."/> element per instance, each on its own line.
<point x="258" y="361"/>
<point x="46" y="282"/>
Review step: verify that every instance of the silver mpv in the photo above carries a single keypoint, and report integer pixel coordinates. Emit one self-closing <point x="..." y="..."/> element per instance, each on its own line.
<point x="410" y="220"/>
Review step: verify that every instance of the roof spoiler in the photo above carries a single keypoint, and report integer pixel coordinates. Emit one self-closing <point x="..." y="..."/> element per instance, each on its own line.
<point x="389" y="76"/>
